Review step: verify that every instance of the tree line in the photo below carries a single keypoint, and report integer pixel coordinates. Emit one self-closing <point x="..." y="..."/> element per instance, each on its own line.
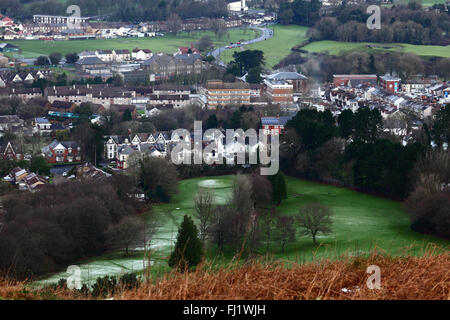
<point x="408" y="23"/>
<point x="45" y="231"/>
<point x="405" y="65"/>
<point x="118" y="10"/>
<point x="354" y="151"/>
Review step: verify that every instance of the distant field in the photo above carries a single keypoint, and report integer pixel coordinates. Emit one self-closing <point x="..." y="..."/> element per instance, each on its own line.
<point x="275" y="48"/>
<point x="337" y="47"/>
<point x="429" y="3"/>
<point x="168" y="43"/>
<point x="425" y="3"/>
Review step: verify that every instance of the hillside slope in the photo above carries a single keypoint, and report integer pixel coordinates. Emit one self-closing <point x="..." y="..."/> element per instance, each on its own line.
<point x="407" y="277"/>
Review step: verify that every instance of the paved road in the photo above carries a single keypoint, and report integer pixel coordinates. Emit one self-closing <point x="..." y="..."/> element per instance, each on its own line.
<point x="265" y="34"/>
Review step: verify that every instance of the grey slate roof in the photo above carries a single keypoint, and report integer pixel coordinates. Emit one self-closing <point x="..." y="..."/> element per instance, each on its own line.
<point x="286" y="76"/>
<point x="89" y="61"/>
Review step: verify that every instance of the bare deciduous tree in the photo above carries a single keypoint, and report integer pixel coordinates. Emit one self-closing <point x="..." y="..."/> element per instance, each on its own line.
<point x="174" y="23"/>
<point x="285" y="230"/>
<point x="314" y="218"/>
<point x="128" y="232"/>
<point x="204" y="210"/>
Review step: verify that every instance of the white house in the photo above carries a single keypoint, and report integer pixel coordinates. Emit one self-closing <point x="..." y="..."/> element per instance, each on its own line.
<point x="105" y="55"/>
<point x="141" y="54"/>
<point x="42" y="125"/>
<point x="237" y="6"/>
<point x="121" y="55"/>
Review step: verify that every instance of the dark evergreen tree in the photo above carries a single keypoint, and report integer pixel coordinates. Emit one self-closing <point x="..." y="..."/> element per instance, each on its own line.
<point x="188" y="250"/>
<point x="254" y="75"/>
<point x="212" y="122"/>
<point x="248" y="59"/>
<point x="279" y="189"/>
<point x="346" y="123"/>
<point x="368" y="124"/>
<point x="72" y="57"/>
<point x="314" y="128"/>
<point x="55" y="57"/>
<point x="127" y="115"/>
<point x="42" y="61"/>
<point x="236" y="120"/>
<point x="440" y="131"/>
<point x="40" y="165"/>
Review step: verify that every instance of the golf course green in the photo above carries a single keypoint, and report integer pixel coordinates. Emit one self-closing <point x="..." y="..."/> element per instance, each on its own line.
<point x="361" y="223"/>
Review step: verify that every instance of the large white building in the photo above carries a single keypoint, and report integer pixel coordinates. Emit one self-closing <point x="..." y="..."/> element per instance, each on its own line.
<point x="238" y="6"/>
<point x="46" y="18"/>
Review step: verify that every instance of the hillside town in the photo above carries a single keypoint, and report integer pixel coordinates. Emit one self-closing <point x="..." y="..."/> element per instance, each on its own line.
<point x="212" y="149"/>
<point x="52" y="27"/>
<point x="399" y="103"/>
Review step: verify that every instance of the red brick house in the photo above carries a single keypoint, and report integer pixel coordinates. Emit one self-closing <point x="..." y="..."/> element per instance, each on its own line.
<point x="353" y="80"/>
<point x="62" y="152"/>
<point x="187" y="50"/>
<point x="274" y="125"/>
<point x="390" y="83"/>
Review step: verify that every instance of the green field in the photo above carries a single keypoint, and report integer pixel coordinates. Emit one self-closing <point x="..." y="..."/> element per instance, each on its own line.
<point x="361" y="223"/>
<point x="168" y="43"/>
<point x="275" y="48"/>
<point x="337" y="48"/>
<point x="425" y="3"/>
<point x="428" y="3"/>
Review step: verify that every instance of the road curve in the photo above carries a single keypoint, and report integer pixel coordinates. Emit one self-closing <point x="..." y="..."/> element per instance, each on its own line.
<point x="265" y="34"/>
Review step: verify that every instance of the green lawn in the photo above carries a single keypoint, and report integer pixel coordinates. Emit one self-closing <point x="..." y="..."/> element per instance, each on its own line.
<point x="337" y="48"/>
<point x="428" y="3"/>
<point x="425" y="3"/>
<point x="275" y="48"/>
<point x="360" y="223"/>
<point x="168" y="43"/>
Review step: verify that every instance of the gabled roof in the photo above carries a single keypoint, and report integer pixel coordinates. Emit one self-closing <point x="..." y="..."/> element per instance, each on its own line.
<point x="390" y="78"/>
<point x="66" y="144"/>
<point x="142" y="136"/>
<point x="126" y="149"/>
<point x="10" y="119"/>
<point x="286" y="76"/>
<point x="188" y="58"/>
<point x="162" y="60"/>
<point x="16" y="147"/>
<point x="185" y="50"/>
<point x="90" y="60"/>
<point x="118" y="139"/>
<point x="122" y="51"/>
<point x="41" y="120"/>
<point x="164" y="134"/>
